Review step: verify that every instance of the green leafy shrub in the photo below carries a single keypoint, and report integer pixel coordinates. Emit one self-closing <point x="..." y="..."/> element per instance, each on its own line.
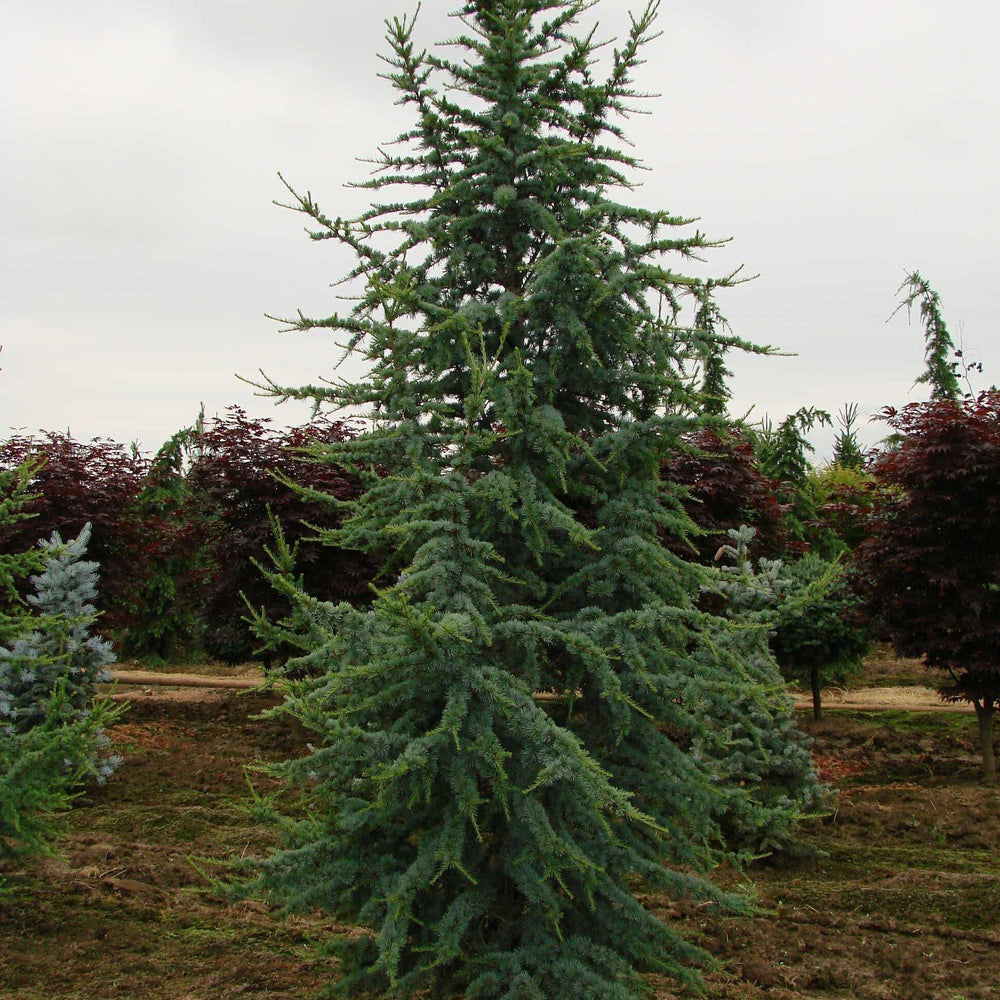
<point x="842" y="500"/>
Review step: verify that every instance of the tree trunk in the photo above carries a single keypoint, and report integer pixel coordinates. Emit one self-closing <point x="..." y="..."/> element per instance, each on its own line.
<point x="299" y="733"/>
<point x="817" y="693"/>
<point x="984" y="713"/>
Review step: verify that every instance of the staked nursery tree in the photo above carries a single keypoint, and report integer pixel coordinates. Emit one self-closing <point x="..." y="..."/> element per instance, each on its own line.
<point x="931" y="568"/>
<point x="527" y="380"/>
<point x="816" y="630"/>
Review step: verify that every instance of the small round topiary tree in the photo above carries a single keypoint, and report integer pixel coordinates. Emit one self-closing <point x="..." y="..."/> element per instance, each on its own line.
<point x="817" y="634"/>
<point x="819" y="637"/>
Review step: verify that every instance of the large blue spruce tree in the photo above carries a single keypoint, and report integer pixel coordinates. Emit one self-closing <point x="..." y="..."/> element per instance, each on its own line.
<point x="529" y="370"/>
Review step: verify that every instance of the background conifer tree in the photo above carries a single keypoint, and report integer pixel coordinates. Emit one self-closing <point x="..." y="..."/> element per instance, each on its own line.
<point x="939" y="349"/>
<point x="847" y="450"/>
<point x="783" y="456"/>
<point x="815" y="623"/>
<point x="528" y="374"/>
<point x="820" y="638"/>
<point x="710" y="321"/>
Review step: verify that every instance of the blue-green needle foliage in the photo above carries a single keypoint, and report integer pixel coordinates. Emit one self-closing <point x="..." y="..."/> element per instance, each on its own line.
<point x="48" y="739"/>
<point x="59" y="647"/>
<point x="764" y="761"/>
<point x="58" y="655"/>
<point x="529" y="369"/>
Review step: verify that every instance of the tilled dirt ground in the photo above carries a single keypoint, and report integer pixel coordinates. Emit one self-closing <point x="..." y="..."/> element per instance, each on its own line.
<point x="900" y="898"/>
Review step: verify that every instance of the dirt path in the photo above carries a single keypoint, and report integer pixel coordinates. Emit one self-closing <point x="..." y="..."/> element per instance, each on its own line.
<point x="906" y="698"/>
<point x="135" y="685"/>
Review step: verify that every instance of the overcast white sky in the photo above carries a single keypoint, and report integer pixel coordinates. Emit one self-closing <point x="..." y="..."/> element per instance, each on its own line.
<point x="838" y="143"/>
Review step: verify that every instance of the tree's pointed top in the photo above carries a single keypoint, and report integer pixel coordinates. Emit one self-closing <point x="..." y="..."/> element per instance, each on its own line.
<point x="939" y="348"/>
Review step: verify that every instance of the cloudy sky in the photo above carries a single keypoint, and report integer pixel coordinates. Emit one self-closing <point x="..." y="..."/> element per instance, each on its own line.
<point x="839" y="144"/>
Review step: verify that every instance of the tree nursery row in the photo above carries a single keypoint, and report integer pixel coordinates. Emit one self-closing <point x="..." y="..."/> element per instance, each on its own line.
<point x="545" y="495"/>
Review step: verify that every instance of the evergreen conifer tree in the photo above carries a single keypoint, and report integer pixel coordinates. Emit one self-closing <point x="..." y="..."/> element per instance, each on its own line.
<point x="40" y="766"/>
<point x="709" y="321"/>
<point x="783" y="455"/>
<point x="847" y="450"/>
<point x="819" y="637"/>
<point x="49" y="673"/>
<point x="812" y="616"/>
<point x="939" y="348"/>
<point x="528" y="376"/>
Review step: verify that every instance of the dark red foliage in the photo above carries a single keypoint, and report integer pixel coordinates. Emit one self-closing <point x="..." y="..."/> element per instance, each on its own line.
<point x="846" y="513"/>
<point x="95" y="481"/>
<point x="233" y="481"/>
<point x="726" y="489"/>
<point x="932" y="566"/>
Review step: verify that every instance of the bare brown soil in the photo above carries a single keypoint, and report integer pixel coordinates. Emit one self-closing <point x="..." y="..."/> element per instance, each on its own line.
<point x="899" y="899"/>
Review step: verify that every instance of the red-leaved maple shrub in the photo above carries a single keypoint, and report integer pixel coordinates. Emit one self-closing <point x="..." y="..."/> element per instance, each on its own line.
<point x="725" y="489"/>
<point x="931" y="568"/>
<point x="76" y="482"/>
<point x="233" y="483"/>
